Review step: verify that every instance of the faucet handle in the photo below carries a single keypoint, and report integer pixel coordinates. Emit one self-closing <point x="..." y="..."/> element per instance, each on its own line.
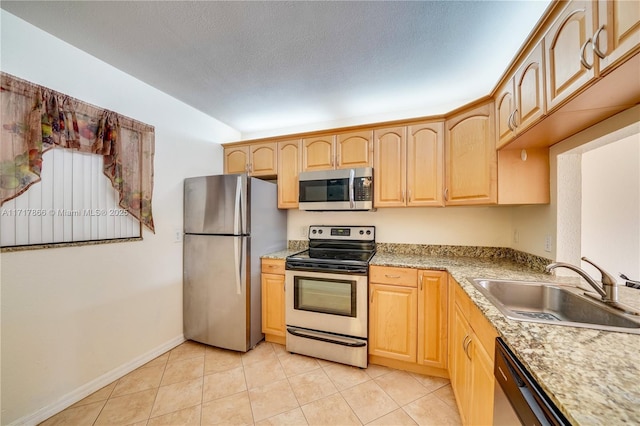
<point x="607" y="278"/>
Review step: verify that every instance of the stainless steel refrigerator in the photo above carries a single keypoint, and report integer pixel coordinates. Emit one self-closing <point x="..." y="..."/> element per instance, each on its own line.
<point x="229" y="222"/>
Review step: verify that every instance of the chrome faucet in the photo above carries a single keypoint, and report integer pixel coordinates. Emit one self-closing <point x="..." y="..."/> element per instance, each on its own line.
<point x="609" y="290"/>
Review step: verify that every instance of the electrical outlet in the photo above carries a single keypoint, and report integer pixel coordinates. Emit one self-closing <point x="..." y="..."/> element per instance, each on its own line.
<point x="177" y="238"/>
<point x="516" y="236"/>
<point x="304" y="231"/>
<point x="548" y="243"/>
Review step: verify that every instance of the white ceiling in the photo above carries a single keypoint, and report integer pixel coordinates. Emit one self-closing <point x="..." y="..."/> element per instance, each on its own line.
<point x="277" y="67"/>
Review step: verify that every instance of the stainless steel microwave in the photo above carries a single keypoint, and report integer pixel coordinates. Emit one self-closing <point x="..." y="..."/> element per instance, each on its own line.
<point x="331" y="190"/>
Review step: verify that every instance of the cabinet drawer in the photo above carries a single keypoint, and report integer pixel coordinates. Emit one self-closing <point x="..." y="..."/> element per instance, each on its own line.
<point x="406" y="277"/>
<point x="273" y="266"/>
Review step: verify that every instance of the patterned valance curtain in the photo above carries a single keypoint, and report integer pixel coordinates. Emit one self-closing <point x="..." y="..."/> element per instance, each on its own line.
<point x="35" y="119"/>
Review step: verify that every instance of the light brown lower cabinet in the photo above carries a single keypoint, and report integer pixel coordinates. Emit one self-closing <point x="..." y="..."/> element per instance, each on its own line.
<point x="273" y="307"/>
<point x="408" y="319"/>
<point x="471" y="360"/>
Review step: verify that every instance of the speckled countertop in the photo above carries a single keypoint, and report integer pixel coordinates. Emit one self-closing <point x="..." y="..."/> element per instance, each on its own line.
<point x="592" y="376"/>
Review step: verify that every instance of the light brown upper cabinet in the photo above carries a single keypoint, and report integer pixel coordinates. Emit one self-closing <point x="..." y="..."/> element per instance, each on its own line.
<point x="345" y="150"/>
<point x="354" y="150"/>
<point x="289" y="162"/>
<point x="408" y="165"/>
<point x="618" y="32"/>
<point x="318" y="153"/>
<point x="470" y="157"/>
<point x="425" y="164"/>
<point x="389" y="167"/>
<point x="236" y="159"/>
<point x="569" y="56"/>
<point x="520" y="101"/>
<point x="256" y="159"/>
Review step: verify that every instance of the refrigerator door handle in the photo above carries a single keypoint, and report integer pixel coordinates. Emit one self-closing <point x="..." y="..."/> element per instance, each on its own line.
<point x="237" y="212"/>
<point x="237" y="241"/>
<point x="352" y="175"/>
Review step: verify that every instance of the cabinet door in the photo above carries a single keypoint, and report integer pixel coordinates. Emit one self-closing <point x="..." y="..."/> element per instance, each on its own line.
<point x="392" y="321"/>
<point x="354" y="150"/>
<point x="273" y="304"/>
<point x="432" y="318"/>
<point x="482" y="382"/>
<point x="264" y="159"/>
<point x="236" y="159"/>
<point x="566" y="43"/>
<point x="289" y="161"/>
<point x="470" y="158"/>
<point x="620" y="34"/>
<point x="425" y="164"/>
<point x="318" y="153"/>
<point x="505" y="106"/>
<point x="529" y="91"/>
<point x="389" y="170"/>
<point x="460" y="368"/>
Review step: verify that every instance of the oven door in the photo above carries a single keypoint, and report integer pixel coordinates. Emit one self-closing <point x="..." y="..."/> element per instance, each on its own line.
<point x="334" y="303"/>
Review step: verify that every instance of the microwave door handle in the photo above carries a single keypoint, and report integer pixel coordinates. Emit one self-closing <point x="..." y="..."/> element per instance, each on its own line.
<point x="352" y="175"/>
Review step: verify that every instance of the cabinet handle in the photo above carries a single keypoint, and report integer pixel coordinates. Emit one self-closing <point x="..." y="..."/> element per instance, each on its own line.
<point x="371" y="298"/>
<point x="391" y="276"/>
<point x="466" y="347"/>
<point x="403" y="195"/>
<point x="583" y="59"/>
<point x="420" y="282"/>
<point x="409" y="195"/>
<point x="596" y="42"/>
<point x="446" y="194"/>
<point x="510" y="121"/>
<point x="272" y="266"/>
<point x="513" y="118"/>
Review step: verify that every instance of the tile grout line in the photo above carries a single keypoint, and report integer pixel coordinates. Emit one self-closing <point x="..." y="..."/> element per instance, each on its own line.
<point x="289" y="382"/>
<point x="155" y="398"/>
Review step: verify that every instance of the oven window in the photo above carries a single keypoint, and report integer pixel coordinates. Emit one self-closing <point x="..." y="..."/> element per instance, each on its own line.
<point x="337" y="297"/>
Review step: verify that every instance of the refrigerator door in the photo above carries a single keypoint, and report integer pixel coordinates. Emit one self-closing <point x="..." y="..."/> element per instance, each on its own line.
<point x="216" y="205"/>
<point x="216" y="297"/>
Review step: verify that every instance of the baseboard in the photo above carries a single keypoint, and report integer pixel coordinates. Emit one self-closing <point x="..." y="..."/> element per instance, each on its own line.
<point x="83" y="391"/>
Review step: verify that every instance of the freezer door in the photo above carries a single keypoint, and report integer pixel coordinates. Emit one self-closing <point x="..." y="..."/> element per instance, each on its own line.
<point x="216" y="298"/>
<point x="216" y="205"/>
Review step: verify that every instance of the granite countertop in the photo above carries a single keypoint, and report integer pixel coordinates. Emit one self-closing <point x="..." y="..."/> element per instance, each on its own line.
<point x="591" y="375"/>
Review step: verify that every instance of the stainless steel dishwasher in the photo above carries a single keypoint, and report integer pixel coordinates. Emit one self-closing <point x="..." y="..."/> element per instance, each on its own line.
<point x="518" y="398"/>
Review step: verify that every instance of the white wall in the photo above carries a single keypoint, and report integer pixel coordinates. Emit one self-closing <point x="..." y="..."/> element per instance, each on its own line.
<point x="468" y="226"/>
<point x="611" y="206"/>
<point x="72" y="315"/>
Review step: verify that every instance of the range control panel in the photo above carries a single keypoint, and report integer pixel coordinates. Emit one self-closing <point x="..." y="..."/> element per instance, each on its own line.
<point x="359" y="233"/>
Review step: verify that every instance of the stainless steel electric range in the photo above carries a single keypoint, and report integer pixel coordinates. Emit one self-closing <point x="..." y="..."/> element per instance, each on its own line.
<point x="327" y="294"/>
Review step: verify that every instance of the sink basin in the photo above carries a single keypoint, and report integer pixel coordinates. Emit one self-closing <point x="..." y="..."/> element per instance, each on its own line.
<point x="554" y="304"/>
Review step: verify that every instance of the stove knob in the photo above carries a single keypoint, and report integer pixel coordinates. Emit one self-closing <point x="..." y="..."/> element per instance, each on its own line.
<point x="314" y="231"/>
<point x="319" y="231"/>
<point x="361" y="232"/>
<point x="368" y="232"/>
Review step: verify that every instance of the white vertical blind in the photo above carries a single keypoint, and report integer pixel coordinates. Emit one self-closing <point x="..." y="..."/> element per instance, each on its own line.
<point x="74" y="202"/>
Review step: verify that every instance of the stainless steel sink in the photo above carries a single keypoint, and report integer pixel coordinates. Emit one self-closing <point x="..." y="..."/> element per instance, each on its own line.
<point x="554" y="304"/>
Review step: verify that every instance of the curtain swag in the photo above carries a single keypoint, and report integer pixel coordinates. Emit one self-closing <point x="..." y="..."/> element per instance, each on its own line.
<point x="35" y="119"/>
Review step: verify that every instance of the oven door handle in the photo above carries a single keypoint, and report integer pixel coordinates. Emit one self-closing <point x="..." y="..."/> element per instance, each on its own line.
<point x="352" y="343"/>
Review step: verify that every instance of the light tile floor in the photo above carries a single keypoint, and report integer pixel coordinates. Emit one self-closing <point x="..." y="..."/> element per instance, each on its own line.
<point x="195" y="384"/>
